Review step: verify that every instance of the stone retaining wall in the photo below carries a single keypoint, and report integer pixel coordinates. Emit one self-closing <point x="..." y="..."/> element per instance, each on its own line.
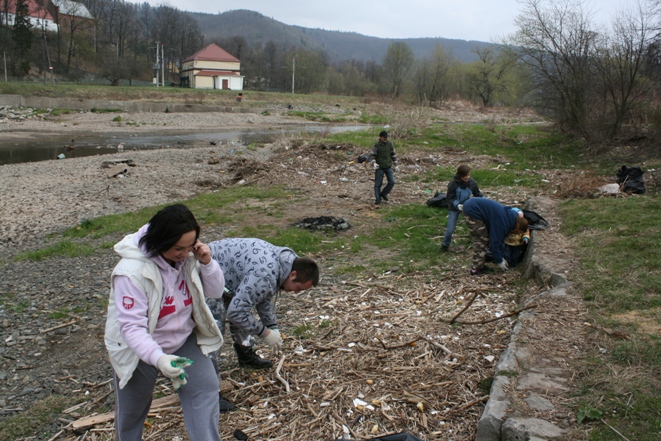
<point x="128" y="106"/>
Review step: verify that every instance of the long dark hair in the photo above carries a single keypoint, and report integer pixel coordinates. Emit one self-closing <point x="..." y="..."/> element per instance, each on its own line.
<point x="166" y="228"/>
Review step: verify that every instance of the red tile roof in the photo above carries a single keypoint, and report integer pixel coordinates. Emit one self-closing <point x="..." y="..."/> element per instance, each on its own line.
<point x="213" y="52"/>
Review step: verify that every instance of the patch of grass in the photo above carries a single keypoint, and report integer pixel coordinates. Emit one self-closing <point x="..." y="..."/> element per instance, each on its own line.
<point x="209" y="208"/>
<point x="618" y="260"/>
<point x="95" y="110"/>
<point x="372" y="119"/>
<point x="491" y="177"/>
<point x="316" y="116"/>
<point x="618" y="250"/>
<point x="524" y="146"/>
<point x="62" y="313"/>
<point x="304" y="331"/>
<point x="36" y="421"/>
<point x="21" y="306"/>
<point x="405" y="230"/>
<point x="65" y="248"/>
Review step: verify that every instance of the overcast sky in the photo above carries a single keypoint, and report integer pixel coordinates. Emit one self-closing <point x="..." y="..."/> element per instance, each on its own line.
<point x="482" y="20"/>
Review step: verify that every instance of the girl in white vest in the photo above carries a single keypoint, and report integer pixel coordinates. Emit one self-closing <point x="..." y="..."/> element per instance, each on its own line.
<point x="158" y="318"/>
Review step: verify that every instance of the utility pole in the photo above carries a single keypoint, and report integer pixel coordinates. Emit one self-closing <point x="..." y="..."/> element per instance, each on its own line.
<point x="157" y="66"/>
<point x="293" y="73"/>
<point x="162" y="65"/>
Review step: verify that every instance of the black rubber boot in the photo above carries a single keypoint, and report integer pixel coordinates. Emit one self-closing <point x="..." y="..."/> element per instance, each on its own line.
<point x="247" y="357"/>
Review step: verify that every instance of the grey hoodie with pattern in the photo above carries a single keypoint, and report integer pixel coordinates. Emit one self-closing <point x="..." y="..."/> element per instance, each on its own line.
<point x="254" y="272"/>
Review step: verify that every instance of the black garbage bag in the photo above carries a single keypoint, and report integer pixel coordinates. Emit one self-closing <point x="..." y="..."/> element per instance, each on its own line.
<point x="535" y="220"/>
<point x="439" y="200"/>
<point x="631" y="179"/>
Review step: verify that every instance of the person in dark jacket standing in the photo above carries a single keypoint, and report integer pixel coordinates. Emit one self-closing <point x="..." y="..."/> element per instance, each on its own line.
<point x="460" y="189"/>
<point x="385" y="159"/>
<point x="489" y="223"/>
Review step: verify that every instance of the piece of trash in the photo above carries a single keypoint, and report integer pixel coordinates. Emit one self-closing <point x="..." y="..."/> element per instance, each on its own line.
<point x="489" y="358"/>
<point x="323" y="182"/>
<point x="610" y="188"/>
<point x="61" y="156"/>
<point x="240" y="435"/>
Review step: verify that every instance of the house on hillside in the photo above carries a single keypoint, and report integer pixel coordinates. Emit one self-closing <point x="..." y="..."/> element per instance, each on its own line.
<point x="70" y="15"/>
<point x="212" y="68"/>
<point x="50" y="15"/>
<point x="40" y="16"/>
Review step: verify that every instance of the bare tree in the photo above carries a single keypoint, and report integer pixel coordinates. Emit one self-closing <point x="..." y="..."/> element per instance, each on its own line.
<point x="589" y="78"/>
<point x="621" y="64"/>
<point x="432" y="76"/>
<point x="488" y="76"/>
<point x="397" y="65"/>
<point x="557" y="43"/>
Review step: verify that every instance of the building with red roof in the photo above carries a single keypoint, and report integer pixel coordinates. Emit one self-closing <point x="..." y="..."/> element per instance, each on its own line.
<point x="212" y="68"/>
<point x="40" y="17"/>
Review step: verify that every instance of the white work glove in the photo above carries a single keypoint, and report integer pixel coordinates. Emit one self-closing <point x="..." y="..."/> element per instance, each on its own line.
<point x="375" y="165"/>
<point x="177" y="382"/>
<point x="460" y="207"/>
<point x="273" y="339"/>
<point x="165" y="365"/>
<point x="397" y="168"/>
<point x="503" y="265"/>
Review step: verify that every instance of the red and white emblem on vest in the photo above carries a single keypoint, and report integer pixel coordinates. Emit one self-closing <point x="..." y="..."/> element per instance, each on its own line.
<point x="128" y="302"/>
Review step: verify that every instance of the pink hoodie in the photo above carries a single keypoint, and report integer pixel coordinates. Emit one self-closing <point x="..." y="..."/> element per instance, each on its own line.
<point x="175" y="321"/>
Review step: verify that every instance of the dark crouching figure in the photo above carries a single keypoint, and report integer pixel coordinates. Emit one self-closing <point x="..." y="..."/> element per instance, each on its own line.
<point x="489" y="223"/>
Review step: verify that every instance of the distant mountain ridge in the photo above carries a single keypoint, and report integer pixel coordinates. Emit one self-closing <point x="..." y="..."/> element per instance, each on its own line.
<point x="257" y="28"/>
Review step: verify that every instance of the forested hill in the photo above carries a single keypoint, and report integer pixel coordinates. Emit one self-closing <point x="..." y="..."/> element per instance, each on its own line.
<point x="257" y="28"/>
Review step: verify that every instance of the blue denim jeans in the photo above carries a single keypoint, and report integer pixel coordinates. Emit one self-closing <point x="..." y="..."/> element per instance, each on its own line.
<point x="451" y="227"/>
<point x="378" y="181"/>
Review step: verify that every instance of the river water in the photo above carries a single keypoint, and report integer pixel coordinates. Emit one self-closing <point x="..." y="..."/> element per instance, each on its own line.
<point x="63" y="147"/>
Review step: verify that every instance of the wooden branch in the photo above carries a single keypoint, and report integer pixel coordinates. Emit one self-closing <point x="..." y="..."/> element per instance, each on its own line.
<point x="279" y="377"/>
<point x="401" y="345"/>
<point x="484" y="322"/>
<point x="468" y="305"/>
<point x="438" y="345"/>
<point x="63" y="325"/>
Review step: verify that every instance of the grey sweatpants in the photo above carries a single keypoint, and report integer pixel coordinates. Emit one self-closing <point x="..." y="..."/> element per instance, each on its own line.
<point x="199" y="397"/>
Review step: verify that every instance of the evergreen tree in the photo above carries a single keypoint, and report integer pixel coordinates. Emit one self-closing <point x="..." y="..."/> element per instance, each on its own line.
<point x="22" y="37"/>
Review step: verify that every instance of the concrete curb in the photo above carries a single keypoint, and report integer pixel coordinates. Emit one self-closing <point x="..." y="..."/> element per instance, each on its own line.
<point x="517" y="369"/>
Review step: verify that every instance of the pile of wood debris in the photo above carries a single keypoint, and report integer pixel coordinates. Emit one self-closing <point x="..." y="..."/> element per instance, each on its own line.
<point x="363" y="359"/>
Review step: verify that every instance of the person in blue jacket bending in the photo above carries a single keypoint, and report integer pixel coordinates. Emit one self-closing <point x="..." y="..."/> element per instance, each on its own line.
<point x="489" y="223"/>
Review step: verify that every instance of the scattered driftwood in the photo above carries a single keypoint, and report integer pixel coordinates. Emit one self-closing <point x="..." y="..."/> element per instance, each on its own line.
<point x="93" y="420"/>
